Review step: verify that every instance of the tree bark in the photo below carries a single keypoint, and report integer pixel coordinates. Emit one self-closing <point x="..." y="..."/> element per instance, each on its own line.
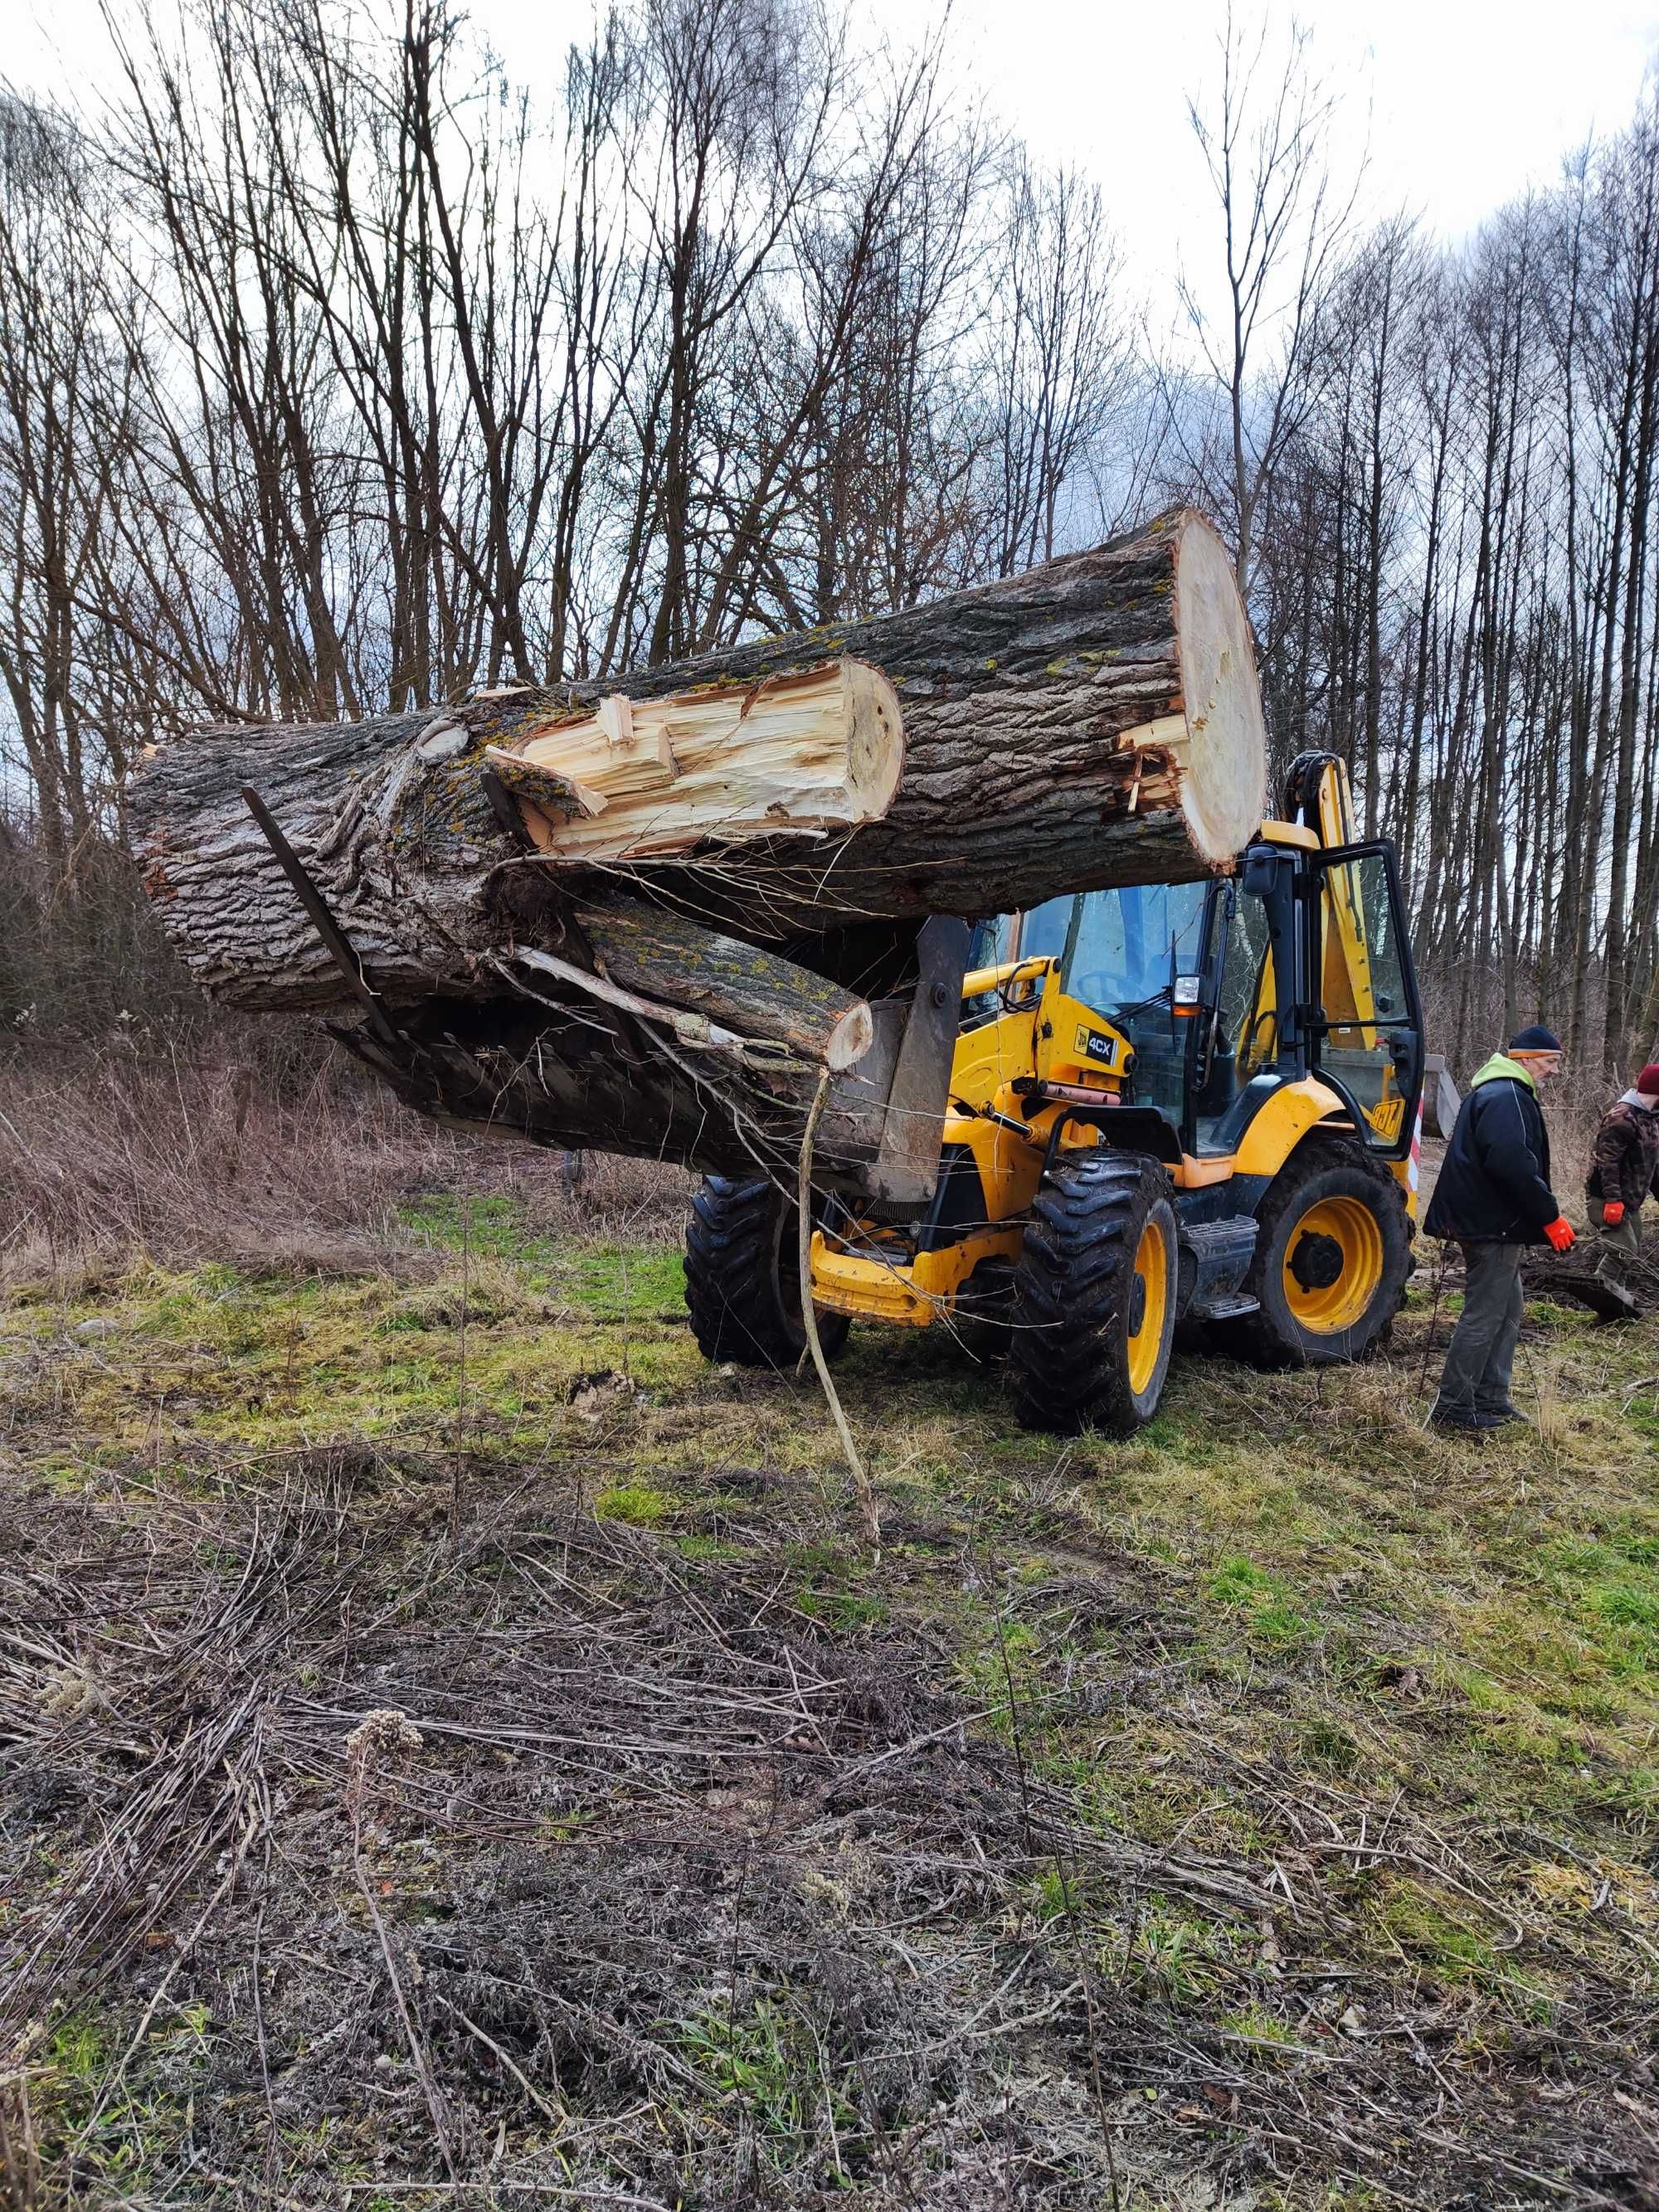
<point x="582" y="1062"/>
<point x="732" y="985"/>
<point x="1095" y="721"/>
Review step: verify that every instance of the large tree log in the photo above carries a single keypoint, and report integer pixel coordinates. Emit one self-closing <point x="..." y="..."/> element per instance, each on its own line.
<point x="1094" y="721"/>
<point x="567" y="1054"/>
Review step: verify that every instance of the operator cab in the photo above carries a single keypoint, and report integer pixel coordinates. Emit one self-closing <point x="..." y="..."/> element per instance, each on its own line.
<point x="1211" y="986"/>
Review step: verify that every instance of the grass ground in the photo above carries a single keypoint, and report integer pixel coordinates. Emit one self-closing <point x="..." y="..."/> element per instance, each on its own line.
<point x="479" y="1765"/>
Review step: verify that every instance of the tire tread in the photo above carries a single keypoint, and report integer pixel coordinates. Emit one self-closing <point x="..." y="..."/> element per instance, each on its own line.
<point x="1070" y="1291"/>
<point x="731" y="1238"/>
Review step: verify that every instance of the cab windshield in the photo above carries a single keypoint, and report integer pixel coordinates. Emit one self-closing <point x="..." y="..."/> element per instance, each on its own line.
<point x="1120" y="949"/>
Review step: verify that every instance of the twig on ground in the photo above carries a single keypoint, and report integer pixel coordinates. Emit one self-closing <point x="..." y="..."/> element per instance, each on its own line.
<point x="809" y="1322"/>
<point x="559" y="2118"/>
<point x="417" y="2049"/>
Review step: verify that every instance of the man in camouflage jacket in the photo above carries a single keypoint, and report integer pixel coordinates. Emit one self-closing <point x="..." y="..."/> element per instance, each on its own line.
<point x="1625" y="1168"/>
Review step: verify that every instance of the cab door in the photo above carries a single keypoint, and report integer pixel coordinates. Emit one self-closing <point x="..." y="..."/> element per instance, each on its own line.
<point x="1364" y="1020"/>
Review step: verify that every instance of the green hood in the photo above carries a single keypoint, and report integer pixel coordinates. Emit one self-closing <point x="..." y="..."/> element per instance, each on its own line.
<point x="1500" y="1065"/>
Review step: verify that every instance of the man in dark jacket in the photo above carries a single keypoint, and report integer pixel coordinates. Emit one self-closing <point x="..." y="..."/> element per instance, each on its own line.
<point x="1625" y="1168"/>
<point x="1493" y="1197"/>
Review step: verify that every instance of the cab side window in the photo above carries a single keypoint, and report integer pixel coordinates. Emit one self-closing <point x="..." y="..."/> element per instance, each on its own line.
<point x="1371" y="1044"/>
<point x="1243" y="1038"/>
<point x="990" y="947"/>
<point x="1246" y="1027"/>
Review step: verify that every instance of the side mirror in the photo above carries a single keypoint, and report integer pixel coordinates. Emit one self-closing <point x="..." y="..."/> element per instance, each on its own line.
<point x="1260" y="873"/>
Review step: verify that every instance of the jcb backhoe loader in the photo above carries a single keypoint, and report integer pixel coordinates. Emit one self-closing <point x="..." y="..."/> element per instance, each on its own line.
<point x="1174" y="1101"/>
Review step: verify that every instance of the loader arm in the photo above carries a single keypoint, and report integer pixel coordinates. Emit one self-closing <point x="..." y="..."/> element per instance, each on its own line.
<point x="1323" y="799"/>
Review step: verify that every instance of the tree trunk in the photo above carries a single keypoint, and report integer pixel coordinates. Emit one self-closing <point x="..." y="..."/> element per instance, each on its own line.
<point x="1095" y="721"/>
<point x="548" y="1061"/>
<point x="711" y="1053"/>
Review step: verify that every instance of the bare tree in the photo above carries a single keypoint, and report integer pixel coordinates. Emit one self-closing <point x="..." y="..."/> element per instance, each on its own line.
<point x="1063" y="364"/>
<point x="1264" y="137"/>
<point x="64" y="425"/>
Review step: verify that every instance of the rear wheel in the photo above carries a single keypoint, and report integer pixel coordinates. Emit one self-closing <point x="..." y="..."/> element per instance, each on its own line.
<point x="743" y="1276"/>
<point x="1094" y="1297"/>
<point x="1333" y="1252"/>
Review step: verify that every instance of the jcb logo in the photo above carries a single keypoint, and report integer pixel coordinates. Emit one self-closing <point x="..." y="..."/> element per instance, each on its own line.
<point x="1387" y="1116"/>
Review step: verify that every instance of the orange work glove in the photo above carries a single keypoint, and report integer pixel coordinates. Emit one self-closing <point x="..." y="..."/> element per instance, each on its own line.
<point x="1559" y="1232"/>
<point x="1614" y="1212"/>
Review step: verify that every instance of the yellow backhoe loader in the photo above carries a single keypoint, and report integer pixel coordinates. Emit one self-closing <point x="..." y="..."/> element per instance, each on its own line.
<point x="1194" y="1101"/>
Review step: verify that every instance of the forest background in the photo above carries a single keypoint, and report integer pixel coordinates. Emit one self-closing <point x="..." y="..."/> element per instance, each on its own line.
<point x="339" y="372"/>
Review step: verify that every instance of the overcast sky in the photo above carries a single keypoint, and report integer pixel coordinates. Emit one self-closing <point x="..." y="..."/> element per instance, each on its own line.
<point x="1463" y="101"/>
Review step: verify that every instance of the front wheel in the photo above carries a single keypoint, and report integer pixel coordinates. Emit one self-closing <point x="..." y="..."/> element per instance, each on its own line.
<point x="1332" y="1254"/>
<point x="1094" y="1297"/>
<point x="743" y="1276"/>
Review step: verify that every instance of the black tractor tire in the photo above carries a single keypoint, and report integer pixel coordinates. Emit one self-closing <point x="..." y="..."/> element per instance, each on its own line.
<point x="742" y="1278"/>
<point x="981" y="1318"/>
<point x="1317" y="1319"/>
<point x="1095" y="1295"/>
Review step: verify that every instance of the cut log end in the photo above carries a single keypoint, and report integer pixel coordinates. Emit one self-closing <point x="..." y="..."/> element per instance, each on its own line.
<point x="819" y="749"/>
<point x="851" y="1038"/>
<point x="1224" y="783"/>
<point x="875" y="740"/>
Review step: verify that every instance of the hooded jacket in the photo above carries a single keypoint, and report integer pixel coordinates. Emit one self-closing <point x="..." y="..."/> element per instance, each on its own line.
<point x="1494" y="1184"/>
<point x="1627" y="1162"/>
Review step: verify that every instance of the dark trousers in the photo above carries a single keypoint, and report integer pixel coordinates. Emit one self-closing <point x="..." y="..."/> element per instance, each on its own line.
<point x="1480" y="1357"/>
<point x="1618" y="1249"/>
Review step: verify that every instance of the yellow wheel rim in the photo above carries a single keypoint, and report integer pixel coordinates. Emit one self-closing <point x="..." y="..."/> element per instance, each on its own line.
<point x="1152" y="1300"/>
<point x="1328" y="1290"/>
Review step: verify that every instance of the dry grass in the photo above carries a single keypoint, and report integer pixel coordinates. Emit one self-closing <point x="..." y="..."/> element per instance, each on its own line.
<point x="1572" y="1106"/>
<point x="261" y="1148"/>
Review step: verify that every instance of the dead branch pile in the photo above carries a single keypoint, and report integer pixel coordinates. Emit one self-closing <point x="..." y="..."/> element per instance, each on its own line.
<point x="557" y="1859"/>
